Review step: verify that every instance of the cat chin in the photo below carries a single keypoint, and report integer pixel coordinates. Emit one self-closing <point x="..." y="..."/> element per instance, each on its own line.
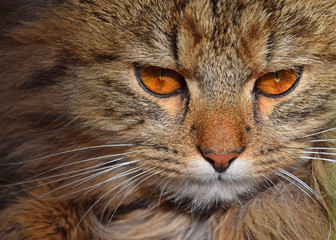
<point x="205" y="196"/>
<point x="208" y="188"/>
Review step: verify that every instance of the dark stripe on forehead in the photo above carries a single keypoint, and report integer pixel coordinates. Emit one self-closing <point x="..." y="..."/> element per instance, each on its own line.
<point x="105" y="57"/>
<point x="214" y="6"/>
<point x="174" y="44"/>
<point x="181" y="5"/>
<point x="45" y="77"/>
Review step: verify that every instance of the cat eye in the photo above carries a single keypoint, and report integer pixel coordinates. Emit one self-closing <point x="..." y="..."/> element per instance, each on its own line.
<point x="277" y="84"/>
<point x="161" y="82"/>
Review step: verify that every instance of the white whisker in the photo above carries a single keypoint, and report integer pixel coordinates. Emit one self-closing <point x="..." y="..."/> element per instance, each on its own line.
<point x="322" y="153"/>
<point x="120" y="175"/>
<point x="317" y="158"/>
<point x="81" y="161"/>
<point x="58" y="180"/>
<point x="277" y="188"/>
<point x="322" y="140"/>
<point x="157" y="186"/>
<point x="90" y="188"/>
<point x="320" y="148"/>
<point x="284" y="173"/>
<point x="105" y="194"/>
<point x="69" y="151"/>
<point x="318" y="133"/>
<point x="108" y="168"/>
<point x="123" y="188"/>
<point x="162" y="189"/>
<point x="128" y="193"/>
<point x="63" y="174"/>
<point x="299" y="181"/>
<point x="296" y="184"/>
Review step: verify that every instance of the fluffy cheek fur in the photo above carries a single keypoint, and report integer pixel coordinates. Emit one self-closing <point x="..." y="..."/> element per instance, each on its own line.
<point x="168" y="137"/>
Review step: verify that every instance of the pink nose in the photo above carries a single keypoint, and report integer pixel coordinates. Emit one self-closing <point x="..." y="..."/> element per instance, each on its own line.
<point x="221" y="161"/>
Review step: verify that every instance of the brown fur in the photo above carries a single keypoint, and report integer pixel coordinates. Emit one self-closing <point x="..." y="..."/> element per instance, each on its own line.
<point x="69" y="90"/>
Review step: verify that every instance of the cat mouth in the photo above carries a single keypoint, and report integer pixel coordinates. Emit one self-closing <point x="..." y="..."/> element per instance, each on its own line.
<point x="209" y="194"/>
<point x="219" y="177"/>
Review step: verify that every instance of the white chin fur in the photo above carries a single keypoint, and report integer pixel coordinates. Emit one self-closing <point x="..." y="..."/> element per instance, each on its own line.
<point x="205" y="189"/>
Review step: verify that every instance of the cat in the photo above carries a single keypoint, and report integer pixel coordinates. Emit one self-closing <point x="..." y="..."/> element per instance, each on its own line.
<point x="152" y="119"/>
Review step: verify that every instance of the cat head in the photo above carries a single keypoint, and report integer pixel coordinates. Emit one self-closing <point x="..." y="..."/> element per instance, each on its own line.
<point x="215" y="97"/>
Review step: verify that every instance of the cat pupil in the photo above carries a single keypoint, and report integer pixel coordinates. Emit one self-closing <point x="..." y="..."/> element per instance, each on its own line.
<point x="162" y="76"/>
<point x="277" y="80"/>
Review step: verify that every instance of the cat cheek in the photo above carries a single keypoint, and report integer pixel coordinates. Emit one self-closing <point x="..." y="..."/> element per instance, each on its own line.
<point x="173" y="105"/>
<point x="266" y="105"/>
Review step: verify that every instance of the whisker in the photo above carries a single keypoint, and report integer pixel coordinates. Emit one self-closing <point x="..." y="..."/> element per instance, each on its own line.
<point x="296" y="184"/>
<point x="277" y="188"/>
<point x="80" y="181"/>
<point x="311" y="148"/>
<point x="129" y="192"/>
<point x="322" y="140"/>
<point x="108" y="168"/>
<point x="105" y="194"/>
<point x="299" y="181"/>
<point x="296" y="179"/>
<point x="51" y="182"/>
<point x="77" y="162"/>
<point x="267" y="181"/>
<point x="300" y="185"/>
<point x="318" y="158"/>
<point x="157" y="186"/>
<point x="162" y="189"/>
<point x="322" y="153"/>
<point x="68" y="151"/>
<point x="320" y="148"/>
<point x="120" y="175"/>
<point x="120" y="190"/>
<point x="124" y="187"/>
<point x="237" y="200"/>
<point x="318" y="133"/>
<point x="284" y="186"/>
<point x="90" y="188"/>
<point x="313" y="158"/>
<point x="294" y="155"/>
<point x="61" y="174"/>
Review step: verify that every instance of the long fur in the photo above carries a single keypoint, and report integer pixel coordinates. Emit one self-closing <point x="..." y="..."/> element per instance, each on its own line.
<point x="86" y="153"/>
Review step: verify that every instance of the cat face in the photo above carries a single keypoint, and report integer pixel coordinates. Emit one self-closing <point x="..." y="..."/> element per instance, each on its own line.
<point x="219" y="109"/>
<point x="250" y="80"/>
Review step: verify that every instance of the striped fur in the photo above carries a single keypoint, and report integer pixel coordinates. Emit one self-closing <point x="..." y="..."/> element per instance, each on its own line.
<point x="86" y="153"/>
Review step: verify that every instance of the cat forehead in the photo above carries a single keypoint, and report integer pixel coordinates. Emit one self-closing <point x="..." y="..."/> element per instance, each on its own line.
<point x="230" y="34"/>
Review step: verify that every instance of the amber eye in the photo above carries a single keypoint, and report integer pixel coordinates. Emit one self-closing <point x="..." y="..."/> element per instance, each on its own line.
<point x="275" y="84"/>
<point x="162" y="82"/>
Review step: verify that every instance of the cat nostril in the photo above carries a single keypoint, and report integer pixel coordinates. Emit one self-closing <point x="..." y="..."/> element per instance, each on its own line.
<point x="221" y="162"/>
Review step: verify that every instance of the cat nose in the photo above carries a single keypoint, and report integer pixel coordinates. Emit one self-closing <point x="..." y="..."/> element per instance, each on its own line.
<point x="220" y="162"/>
